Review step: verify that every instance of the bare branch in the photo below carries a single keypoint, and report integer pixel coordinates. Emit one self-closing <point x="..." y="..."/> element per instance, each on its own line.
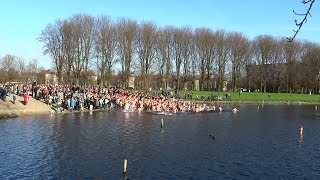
<point x="299" y="14"/>
<point x="306" y="2"/>
<point x="304" y="20"/>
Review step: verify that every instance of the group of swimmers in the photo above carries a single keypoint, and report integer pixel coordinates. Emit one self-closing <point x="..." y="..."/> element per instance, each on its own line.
<point x="139" y="102"/>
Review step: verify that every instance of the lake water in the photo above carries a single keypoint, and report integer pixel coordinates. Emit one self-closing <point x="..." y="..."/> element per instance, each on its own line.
<point x="254" y="143"/>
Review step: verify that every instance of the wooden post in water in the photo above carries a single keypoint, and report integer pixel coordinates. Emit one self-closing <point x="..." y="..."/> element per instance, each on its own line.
<point x="125" y="167"/>
<point x="161" y="123"/>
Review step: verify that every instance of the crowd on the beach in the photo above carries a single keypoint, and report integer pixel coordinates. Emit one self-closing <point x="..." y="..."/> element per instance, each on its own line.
<point x="70" y="98"/>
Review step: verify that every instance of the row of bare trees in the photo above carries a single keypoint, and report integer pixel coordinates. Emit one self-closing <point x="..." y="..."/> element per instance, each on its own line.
<point x="82" y="43"/>
<point x="16" y="69"/>
<point x="283" y="66"/>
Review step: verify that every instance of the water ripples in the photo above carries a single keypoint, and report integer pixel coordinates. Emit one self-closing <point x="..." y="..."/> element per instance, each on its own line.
<point x="255" y="144"/>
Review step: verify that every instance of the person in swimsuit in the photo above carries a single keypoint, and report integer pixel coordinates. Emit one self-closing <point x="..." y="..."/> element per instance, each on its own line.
<point x="234" y="109"/>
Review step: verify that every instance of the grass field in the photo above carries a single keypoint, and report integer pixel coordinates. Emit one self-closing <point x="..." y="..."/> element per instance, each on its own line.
<point x="258" y="97"/>
<point x="252" y="96"/>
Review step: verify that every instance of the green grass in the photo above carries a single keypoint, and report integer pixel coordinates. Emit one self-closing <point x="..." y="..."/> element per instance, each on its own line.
<point x="254" y="96"/>
<point x="259" y="97"/>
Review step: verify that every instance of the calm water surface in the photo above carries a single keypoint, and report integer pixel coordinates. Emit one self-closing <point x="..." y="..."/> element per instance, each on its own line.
<point x="262" y="144"/>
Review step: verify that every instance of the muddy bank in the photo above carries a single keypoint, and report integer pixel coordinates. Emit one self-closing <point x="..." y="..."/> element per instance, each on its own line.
<point x="8" y="109"/>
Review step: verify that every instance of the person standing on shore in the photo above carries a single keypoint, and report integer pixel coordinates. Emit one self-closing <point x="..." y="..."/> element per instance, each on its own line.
<point x="73" y="104"/>
<point x="14" y="98"/>
<point x="25" y="98"/>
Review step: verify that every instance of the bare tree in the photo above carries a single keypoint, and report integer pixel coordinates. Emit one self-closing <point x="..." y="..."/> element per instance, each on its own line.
<point x="9" y="66"/>
<point x="277" y="66"/>
<point x="304" y="19"/>
<point x="187" y="45"/>
<point x="3" y="78"/>
<point x="205" y="46"/>
<point x="146" y="49"/>
<point x="193" y="64"/>
<point x="177" y="53"/>
<point x="21" y="67"/>
<point x="32" y="70"/>
<point x="309" y="68"/>
<point x="89" y="29"/>
<point x="164" y="54"/>
<point x="78" y="34"/>
<point x="105" y="47"/>
<point x="52" y="38"/>
<point x="126" y="31"/>
<point x="249" y="67"/>
<point x="239" y="49"/>
<point x="69" y="46"/>
<point x="290" y="56"/>
<point x="263" y="53"/>
<point x="33" y="66"/>
<point x="222" y="51"/>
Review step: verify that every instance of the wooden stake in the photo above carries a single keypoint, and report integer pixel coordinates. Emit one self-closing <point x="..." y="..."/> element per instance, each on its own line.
<point x="125" y="166"/>
<point x="161" y="123"/>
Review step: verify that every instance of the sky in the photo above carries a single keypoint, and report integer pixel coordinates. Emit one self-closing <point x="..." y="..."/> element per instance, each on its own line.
<point x="22" y="21"/>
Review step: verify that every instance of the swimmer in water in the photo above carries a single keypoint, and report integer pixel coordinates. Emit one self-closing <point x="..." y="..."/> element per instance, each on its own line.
<point x="235" y="109"/>
<point x="220" y="108"/>
<point x="301" y="134"/>
<point x="301" y="129"/>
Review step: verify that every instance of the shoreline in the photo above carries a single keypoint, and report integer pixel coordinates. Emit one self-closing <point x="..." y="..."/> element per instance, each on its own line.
<point x="272" y="102"/>
<point x="35" y="107"/>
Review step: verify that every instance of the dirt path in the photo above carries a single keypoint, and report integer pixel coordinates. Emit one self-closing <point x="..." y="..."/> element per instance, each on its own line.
<point x="8" y="109"/>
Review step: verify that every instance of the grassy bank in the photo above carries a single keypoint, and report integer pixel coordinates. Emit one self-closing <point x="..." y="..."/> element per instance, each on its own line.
<point x="257" y="97"/>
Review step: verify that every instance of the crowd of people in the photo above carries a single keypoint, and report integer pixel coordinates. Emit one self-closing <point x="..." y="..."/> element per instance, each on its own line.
<point x="70" y="98"/>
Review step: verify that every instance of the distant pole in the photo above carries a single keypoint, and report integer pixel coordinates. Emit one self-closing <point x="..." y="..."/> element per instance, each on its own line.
<point x="161" y="123"/>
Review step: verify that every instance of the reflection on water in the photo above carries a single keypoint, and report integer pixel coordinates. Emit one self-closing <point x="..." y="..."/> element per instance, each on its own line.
<point x="248" y="144"/>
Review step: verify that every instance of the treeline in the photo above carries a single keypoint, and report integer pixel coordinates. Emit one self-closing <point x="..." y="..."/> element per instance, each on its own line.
<point x="17" y="69"/>
<point x="176" y="56"/>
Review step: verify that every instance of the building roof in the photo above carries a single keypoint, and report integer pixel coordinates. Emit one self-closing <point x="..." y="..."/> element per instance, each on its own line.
<point x="47" y="72"/>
